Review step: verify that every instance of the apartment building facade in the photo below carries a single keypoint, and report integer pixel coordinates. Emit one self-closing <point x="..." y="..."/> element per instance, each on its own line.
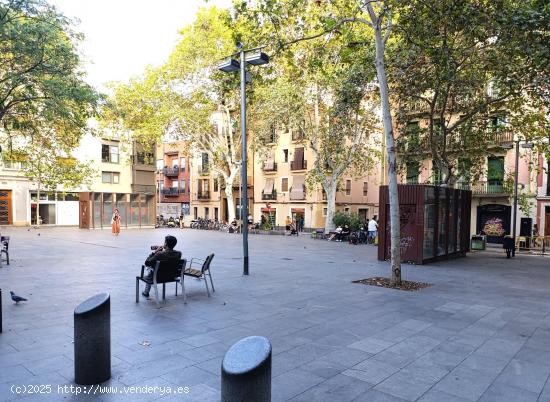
<point x="126" y="180"/>
<point x="492" y="202"/>
<point x="173" y="179"/>
<point x="282" y="192"/>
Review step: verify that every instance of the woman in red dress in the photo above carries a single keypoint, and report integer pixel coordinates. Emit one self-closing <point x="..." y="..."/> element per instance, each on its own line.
<point x="115" y="222"/>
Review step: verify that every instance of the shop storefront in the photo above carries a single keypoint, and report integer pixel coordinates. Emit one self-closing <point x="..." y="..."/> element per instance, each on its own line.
<point x="54" y="208"/>
<point x="136" y="210"/>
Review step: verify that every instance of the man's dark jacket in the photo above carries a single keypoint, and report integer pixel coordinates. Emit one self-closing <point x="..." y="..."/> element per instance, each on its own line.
<point x="164" y="255"/>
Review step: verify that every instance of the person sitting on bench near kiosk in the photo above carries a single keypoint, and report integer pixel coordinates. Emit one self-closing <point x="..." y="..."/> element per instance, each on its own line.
<point x="161" y="253"/>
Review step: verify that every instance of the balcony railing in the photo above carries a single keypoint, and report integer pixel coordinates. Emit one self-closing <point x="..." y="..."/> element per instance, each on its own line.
<point x="270" y="196"/>
<point x="483" y="187"/>
<point x="298" y="165"/>
<point x="172" y="191"/>
<point x="203" y="195"/>
<point x="173" y="171"/>
<point x="204" y="169"/>
<point x="270" y="168"/>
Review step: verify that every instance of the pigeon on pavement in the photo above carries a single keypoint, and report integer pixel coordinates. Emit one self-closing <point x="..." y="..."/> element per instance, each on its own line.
<point x="16" y="298"/>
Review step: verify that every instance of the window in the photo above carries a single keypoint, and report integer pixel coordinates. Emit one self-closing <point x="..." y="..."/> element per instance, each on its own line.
<point x="195" y="213"/>
<point x="365" y="188"/>
<point x="109" y="153"/>
<point x="182" y="186"/>
<point x="548" y="179"/>
<point x="182" y="164"/>
<point x="346" y="210"/>
<point x="324" y="211"/>
<point x="175" y="162"/>
<point x="110" y="177"/>
<point x="285" y="152"/>
<point x="216" y="214"/>
<point x="206" y="212"/>
<point x="495" y="170"/>
<point x="144" y="158"/>
<point x="348" y="187"/>
<point x="174" y="184"/>
<point x="216" y="185"/>
<point x="161" y="184"/>
<point x="284" y="184"/>
<point x="413" y="171"/>
<point x="160" y="164"/>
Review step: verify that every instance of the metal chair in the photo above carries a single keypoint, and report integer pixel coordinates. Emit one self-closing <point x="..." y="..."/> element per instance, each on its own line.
<point x="164" y="272"/>
<point x="198" y="273"/>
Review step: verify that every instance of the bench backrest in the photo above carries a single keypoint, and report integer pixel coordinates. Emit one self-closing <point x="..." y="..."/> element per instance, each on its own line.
<point x="168" y="271"/>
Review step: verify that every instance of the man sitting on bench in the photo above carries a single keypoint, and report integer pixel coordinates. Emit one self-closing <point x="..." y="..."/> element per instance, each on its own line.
<point x="161" y="253"/>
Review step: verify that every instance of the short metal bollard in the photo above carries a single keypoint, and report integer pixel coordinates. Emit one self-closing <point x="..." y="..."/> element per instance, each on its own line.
<point x="92" y="340"/>
<point x="246" y="371"/>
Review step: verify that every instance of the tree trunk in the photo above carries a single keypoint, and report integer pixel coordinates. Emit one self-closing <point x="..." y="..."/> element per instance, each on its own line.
<point x="395" y="229"/>
<point x="229" y="195"/>
<point x="331" y="206"/>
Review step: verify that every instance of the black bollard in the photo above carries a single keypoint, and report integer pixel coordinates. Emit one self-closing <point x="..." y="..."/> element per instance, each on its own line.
<point x="92" y="340"/>
<point x="246" y="371"/>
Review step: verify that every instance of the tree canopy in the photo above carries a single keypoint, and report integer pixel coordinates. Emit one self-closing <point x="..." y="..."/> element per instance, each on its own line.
<point x="41" y="83"/>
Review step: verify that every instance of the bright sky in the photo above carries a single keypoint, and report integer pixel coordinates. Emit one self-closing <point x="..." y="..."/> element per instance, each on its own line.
<point x="124" y="36"/>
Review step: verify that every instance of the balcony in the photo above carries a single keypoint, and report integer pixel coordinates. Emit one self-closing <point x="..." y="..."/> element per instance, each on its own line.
<point x="491" y="188"/>
<point x="204" y="169"/>
<point x="270" y="168"/>
<point x="203" y="195"/>
<point x="298" y="165"/>
<point x="269" y="196"/>
<point x="298" y="193"/>
<point x="171" y="191"/>
<point x="173" y="171"/>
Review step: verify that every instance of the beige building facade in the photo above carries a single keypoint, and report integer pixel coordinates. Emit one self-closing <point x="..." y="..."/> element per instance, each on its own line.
<point x="281" y="191"/>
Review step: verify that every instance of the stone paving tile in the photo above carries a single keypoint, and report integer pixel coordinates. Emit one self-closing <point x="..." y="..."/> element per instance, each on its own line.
<point x="371" y="345"/>
<point x="437" y="396"/>
<point x="524" y="375"/>
<point x="504" y="393"/>
<point x="293" y="383"/>
<point x="338" y="388"/>
<point x="465" y="383"/>
<point x="374" y="395"/>
<point x="371" y="371"/>
<point x="405" y="387"/>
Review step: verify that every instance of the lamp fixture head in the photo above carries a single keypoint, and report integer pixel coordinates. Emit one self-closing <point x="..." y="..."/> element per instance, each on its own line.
<point x="229" y="65"/>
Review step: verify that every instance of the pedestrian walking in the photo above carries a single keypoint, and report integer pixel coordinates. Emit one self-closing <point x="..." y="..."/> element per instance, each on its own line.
<point x="115" y="222"/>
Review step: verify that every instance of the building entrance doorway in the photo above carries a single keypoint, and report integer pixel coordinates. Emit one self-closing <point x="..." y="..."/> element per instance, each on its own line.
<point x="547" y="221"/>
<point x="5" y="207"/>
<point x="299" y="216"/>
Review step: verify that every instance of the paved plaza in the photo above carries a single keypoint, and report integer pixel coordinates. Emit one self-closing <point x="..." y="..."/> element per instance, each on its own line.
<point x="481" y="332"/>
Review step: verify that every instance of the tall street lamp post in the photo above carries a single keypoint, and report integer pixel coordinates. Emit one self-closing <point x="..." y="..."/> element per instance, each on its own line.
<point x="516" y="167"/>
<point x="254" y="57"/>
